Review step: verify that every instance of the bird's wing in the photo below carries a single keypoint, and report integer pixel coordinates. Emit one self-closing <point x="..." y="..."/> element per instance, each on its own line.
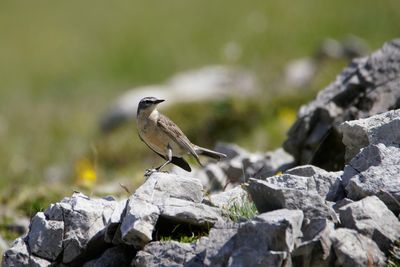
<point x="176" y="134"/>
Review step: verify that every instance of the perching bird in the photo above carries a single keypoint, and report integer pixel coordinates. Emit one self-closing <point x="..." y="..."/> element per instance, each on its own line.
<point x="165" y="138"/>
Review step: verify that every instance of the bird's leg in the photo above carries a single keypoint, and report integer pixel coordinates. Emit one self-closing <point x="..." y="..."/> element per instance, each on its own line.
<point x="169" y="155"/>
<point x="148" y="172"/>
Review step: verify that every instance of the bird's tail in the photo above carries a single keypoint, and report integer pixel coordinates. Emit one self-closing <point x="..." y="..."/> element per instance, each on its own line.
<point x="209" y="153"/>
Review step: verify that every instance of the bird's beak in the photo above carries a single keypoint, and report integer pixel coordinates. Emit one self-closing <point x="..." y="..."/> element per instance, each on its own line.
<point x="158" y="101"/>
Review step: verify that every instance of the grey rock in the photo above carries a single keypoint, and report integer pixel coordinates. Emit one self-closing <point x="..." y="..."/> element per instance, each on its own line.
<point x="139" y="221"/>
<point x="112" y="231"/>
<point x="164" y="185"/>
<point x="268" y="196"/>
<point x="383" y="128"/>
<point x="230" y="150"/>
<point x="341" y="203"/>
<point x="248" y="256"/>
<point x="372" y="218"/>
<point x="115" y="256"/>
<point x="375" y="171"/>
<point x="164" y="253"/>
<point x="207" y="83"/>
<point x="175" y="198"/>
<point x="327" y="184"/>
<point x="261" y="165"/>
<point x="355" y="250"/>
<point x="278" y="230"/>
<point x="366" y="87"/>
<point x="216" y="177"/>
<point x="183" y="211"/>
<point x="268" y="238"/>
<point x="3" y="244"/>
<point x="300" y="72"/>
<point x="84" y="221"/>
<point x="227" y="198"/>
<point x="19" y="255"/>
<point x="45" y="237"/>
<point x="234" y="169"/>
<point x="218" y="246"/>
<point x="315" y="246"/>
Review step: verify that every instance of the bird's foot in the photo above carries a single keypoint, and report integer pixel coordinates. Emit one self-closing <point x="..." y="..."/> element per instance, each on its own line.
<point x="149" y="172"/>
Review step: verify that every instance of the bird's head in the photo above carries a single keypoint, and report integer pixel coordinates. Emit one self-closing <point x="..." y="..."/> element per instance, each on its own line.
<point x="148" y="104"/>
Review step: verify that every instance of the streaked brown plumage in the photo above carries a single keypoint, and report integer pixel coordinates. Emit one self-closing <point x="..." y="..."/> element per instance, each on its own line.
<point x="165" y="138"/>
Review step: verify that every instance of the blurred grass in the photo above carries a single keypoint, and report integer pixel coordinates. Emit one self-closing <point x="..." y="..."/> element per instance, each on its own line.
<point x="61" y="63"/>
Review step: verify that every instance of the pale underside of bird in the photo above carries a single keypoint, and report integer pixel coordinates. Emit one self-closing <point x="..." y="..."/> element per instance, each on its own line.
<point x="165" y="138"/>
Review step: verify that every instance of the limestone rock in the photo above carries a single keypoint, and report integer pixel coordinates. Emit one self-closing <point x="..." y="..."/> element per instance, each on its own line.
<point x="368" y="86"/>
<point x="372" y="218"/>
<point x="375" y="171"/>
<point x="383" y="128"/>
<point x="164" y="253"/>
<point x="46" y="237"/>
<point x="19" y="255"/>
<point x="139" y="221"/>
<point x="355" y="250"/>
<point x="268" y="197"/>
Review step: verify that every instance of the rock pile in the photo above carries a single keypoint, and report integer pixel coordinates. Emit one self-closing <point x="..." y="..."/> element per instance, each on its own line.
<point x="308" y="216"/>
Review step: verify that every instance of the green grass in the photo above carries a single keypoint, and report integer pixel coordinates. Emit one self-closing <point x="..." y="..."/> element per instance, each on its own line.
<point x="394" y="258"/>
<point x="241" y="209"/>
<point x="63" y="62"/>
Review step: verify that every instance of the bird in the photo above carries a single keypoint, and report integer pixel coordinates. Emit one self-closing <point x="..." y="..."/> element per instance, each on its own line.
<point x="165" y="138"/>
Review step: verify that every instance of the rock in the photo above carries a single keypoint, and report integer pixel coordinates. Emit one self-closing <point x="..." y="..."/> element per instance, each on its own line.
<point x="383" y="128"/>
<point x="267" y="238"/>
<point x="112" y="232"/>
<point x="183" y="211"/>
<point x="355" y="250"/>
<point x="234" y="169"/>
<point x="368" y="86"/>
<point x="139" y="221"/>
<point x="84" y="224"/>
<point x="216" y="177"/>
<point x="327" y="184"/>
<point x="230" y="150"/>
<point x="373" y="219"/>
<point x="267" y="164"/>
<point x="269" y="196"/>
<point x="161" y="185"/>
<point x="218" y="246"/>
<point x="170" y="196"/>
<point x="374" y="171"/>
<point x="19" y="255"/>
<point x="225" y="199"/>
<point x="300" y="72"/>
<point x="315" y="246"/>
<point x="120" y="256"/>
<point x="3" y="244"/>
<point x="46" y="237"/>
<point x="207" y="83"/>
<point x="245" y="256"/>
<point x="278" y="230"/>
<point x="164" y="253"/>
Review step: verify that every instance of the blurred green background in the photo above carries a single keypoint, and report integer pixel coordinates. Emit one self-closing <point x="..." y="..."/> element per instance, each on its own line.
<point x="63" y="63"/>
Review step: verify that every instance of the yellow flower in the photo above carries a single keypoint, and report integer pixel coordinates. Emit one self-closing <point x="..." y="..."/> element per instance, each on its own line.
<point x="86" y="175"/>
